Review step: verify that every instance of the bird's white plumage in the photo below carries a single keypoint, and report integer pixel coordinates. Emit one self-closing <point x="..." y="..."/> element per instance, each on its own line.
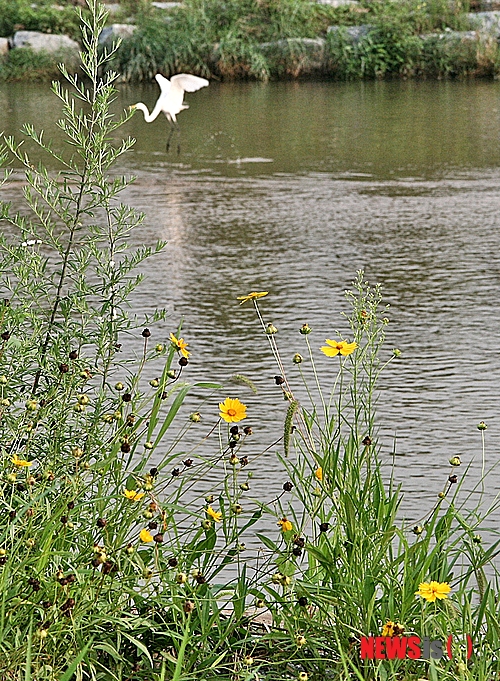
<point x="171" y="99"/>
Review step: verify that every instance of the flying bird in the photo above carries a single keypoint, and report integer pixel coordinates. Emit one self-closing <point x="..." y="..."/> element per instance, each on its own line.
<point x="171" y="99"/>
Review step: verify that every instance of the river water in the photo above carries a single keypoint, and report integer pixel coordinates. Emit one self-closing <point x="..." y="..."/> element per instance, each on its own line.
<point x="291" y="188"/>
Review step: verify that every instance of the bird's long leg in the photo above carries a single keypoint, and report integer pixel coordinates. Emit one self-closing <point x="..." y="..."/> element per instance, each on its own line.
<point x="178" y="140"/>
<point x="170" y="135"/>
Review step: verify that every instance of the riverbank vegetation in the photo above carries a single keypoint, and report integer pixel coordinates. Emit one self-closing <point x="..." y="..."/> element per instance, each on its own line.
<point x="132" y="546"/>
<point x="265" y="39"/>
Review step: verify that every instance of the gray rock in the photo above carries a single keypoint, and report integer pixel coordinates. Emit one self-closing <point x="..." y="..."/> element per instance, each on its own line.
<point x="113" y="8"/>
<point x="353" y="33"/>
<point x="110" y="34"/>
<point x="310" y="52"/>
<point x="4" y="46"/>
<point x="44" y="42"/>
<point x="489" y="22"/>
<point x="166" y="5"/>
<point x="337" y="3"/>
<point x="452" y="36"/>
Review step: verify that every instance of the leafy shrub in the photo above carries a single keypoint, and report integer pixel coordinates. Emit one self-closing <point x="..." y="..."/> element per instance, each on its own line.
<point x="20" y="14"/>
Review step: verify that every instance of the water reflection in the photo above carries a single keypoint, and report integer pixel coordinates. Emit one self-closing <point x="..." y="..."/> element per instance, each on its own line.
<point x="293" y="187"/>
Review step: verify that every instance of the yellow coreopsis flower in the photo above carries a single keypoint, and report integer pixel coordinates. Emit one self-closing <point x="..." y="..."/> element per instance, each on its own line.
<point x="286" y="525"/>
<point x="252" y="296"/>
<point x="215" y="515"/>
<point x="133" y="494"/>
<point x="433" y="590"/>
<point x="180" y="345"/>
<point x="232" y="411"/>
<point x="388" y="629"/>
<point x="335" y="347"/>
<point x="145" y="536"/>
<point x="319" y="473"/>
<point x="22" y="463"/>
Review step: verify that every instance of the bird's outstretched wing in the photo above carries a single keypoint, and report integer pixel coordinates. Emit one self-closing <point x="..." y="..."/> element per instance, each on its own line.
<point x="187" y="82"/>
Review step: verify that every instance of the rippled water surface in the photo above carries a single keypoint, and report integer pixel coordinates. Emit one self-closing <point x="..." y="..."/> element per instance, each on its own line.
<point x="291" y="188"/>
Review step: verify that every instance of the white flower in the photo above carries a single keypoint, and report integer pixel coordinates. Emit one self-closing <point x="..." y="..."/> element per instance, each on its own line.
<point x="31" y="242"/>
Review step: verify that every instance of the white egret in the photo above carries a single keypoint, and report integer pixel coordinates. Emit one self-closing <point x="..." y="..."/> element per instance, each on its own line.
<point x="171" y="99"/>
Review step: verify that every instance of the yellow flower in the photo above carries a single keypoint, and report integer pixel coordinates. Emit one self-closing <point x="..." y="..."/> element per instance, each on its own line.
<point x="215" y="515"/>
<point x="252" y="296"/>
<point x="432" y="590"/>
<point x="286" y="525"/>
<point x="22" y="463"/>
<point x="334" y="347"/>
<point x="133" y="494"/>
<point x="146" y="536"/>
<point x="232" y="411"/>
<point x="180" y="345"/>
<point x="319" y="473"/>
<point x="388" y="629"/>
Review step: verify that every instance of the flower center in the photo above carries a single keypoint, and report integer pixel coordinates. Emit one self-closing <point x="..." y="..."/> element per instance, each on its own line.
<point x="231" y="412"/>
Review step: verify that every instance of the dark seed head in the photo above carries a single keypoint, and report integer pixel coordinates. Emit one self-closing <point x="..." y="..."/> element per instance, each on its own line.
<point x="302" y="601"/>
<point x="127" y="397"/>
<point x="244" y="461"/>
<point x="279" y="380"/>
<point x="173" y="562"/>
<point x="234" y="430"/>
<point x="201" y="579"/>
<point x="452" y="479"/>
<point x="164" y="395"/>
<point x="298" y="541"/>
<point x="183" y="361"/>
<point x="101" y="522"/>
<point x="232" y="444"/>
<point x="188" y="462"/>
<point x="158" y="538"/>
<point x="153" y="472"/>
<point x="73" y="354"/>
<point x="71" y="505"/>
<point x="247" y="430"/>
<point x="367" y="441"/>
<point x="46" y="604"/>
<point x="152" y="525"/>
<point x="297" y="551"/>
<point x="34" y="584"/>
<point x="175" y="473"/>
<point x="288" y="486"/>
<point x="64" y="368"/>
<point x="324" y="527"/>
<point x="125" y="447"/>
<point x="5" y="336"/>
<point x="12" y="515"/>
<point x="64" y="519"/>
<point x="146" y="333"/>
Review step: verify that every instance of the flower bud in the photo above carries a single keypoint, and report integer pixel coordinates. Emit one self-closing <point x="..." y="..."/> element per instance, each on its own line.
<point x="236" y="509"/>
<point x="83" y="399"/>
<point x="455" y="461"/>
<point x="78" y="408"/>
<point x="396" y="352"/>
<point x="171" y="373"/>
<point x="418" y="529"/>
<point x="297" y="359"/>
<point x="233" y="460"/>
<point x="154" y="383"/>
<point x="31" y="405"/>
<point x="119" y="386"/>
<point x="276" y="578"/>
<point x="305" y="329"/>
<point x="260" y="603"/>
<point x="303" y="676"/>
<point x="147" y="573"/>
<point x="188" y="607"/>
<point x="300" y="640"/>
<point x="147" y="514"/>
<point x="206" y="524"/>
<point x="271" y="329"/>
<point x="148" y="445"/>
<point x="3" y="380"/>
<point x="129" y="549"/>
<point x="181" y="578"/>
<point x="195" y="417"/>
<point x="248" y="660"/>
<point x="244" y="486"/>
<point x="159" y="347"/>
<point x="481" y="425"/>
<point x="476" y="539"/>
<point x="77" y="452"/>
